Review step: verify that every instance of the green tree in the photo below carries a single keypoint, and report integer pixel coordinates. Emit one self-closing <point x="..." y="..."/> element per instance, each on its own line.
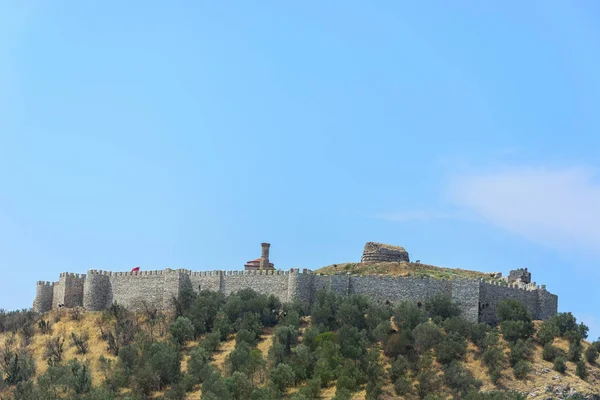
<point x="282" y="377"/>
<point x="407" y="315"/>
<point x="581" y="369"/>
<point x="515" y="321"/>
<point x="591" y="354"/>
<point x="182" y="330"/>
<point x="441" y="307"/>
<point x="521" y="369"/>
<point x="547" y="332"/>
<point x="560" y="365"/>
<point x="427" y="335"/>
<point x="459" y="379"/>
<point x="451" y="348"/>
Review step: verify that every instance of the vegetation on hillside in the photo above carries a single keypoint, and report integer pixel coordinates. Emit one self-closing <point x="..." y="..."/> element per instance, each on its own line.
<point x="250" y="346"/>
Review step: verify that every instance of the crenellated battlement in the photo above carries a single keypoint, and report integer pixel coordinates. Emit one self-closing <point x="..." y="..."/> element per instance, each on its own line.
<point x="477" y="297"/>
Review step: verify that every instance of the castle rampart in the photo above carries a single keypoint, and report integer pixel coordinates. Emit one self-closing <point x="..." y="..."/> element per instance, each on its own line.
<point x="96" y="291"/>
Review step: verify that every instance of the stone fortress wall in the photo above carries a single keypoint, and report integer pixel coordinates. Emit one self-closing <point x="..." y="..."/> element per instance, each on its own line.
<point x="99" y="289"/>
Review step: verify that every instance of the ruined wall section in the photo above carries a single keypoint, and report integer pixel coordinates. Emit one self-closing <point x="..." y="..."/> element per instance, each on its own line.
<point x="44" y="294"/>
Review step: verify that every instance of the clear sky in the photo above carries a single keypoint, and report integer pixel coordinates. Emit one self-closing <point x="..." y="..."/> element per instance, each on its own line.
<point x="182" y="134"/>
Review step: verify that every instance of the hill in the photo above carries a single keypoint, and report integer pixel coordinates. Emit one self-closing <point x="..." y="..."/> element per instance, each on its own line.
<point x="404" y="268"/>
<point x="250" y="346"/>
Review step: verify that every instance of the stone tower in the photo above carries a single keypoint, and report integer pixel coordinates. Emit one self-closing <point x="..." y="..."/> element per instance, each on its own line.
<point x="379" y="252"/>
<point x="264" y="259"/>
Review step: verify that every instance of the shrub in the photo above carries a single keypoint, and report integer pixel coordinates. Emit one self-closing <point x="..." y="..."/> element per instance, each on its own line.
<point x="547" y="332"/>
<point x="521" y="369"/>
<point x="441" y="307"/>
<point x="581" y="369"/>
<point x="182" y="330"/>
<point x="559" y="365"/>
<point x="519" y="350"/>
<point x="459" y="379"/>
<point x="80" y="342"/>
<point x="82" y="379"/>
<point x="459" y="325"/>
<point x="575" y="351"/>
<point x="407" y="315"/>
<point x="427" y="335"/>
<point x="403" y="386"/>
<point x="591" y="354"/>
<point x="239" y="385"/>
<point x="399" y="368"/>
<point x="282" y="377"/>
<point x="211" y="342"/>
<point x="54" y="350"/>
<point x="550" y="352"/>
<point x="452" y="347"/>
<point x="16" y="366"/>
<point x="45" y="327"/>
<point x="515" y="320"/>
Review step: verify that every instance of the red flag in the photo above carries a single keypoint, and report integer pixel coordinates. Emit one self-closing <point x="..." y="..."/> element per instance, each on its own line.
<point x="136" y="269"/>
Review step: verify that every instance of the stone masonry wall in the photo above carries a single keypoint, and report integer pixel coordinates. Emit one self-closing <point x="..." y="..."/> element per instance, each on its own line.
<point x="382" y="288"/>
<point x="491" y="295"/>
<point x="477" y="300"/>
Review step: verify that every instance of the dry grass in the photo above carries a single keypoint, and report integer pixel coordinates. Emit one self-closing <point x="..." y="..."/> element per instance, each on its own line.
<point x="401" y="269"/>
<point x="220" y="355"/>
<point x="536" y="381"/>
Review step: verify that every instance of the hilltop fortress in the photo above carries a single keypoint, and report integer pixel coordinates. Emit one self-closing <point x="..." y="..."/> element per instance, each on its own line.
<point x="477" y="298"/>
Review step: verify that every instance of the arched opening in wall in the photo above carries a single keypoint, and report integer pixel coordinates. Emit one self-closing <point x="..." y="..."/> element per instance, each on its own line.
<point x="419" y="305"/>
<point x="387" y="303"/>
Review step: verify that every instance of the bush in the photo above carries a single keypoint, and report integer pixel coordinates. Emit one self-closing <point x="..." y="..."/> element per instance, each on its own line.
<point x="452" y="347"/>
<point x="581" y="369"/>
<point x="403" y="386"/>
<point x="575" y="351"/>
<point x="521" y="369"/>
<point x="550" y="352"/>
<point x="459" y="379"/>
<point x="515" y="320"/>
<point x="80" y="342"/>
<point x="407" y="315"/>
<point x="16" y="366"/>
<point x="427" y="335"/>
<point x="54" y="350"/>
<point x="519" y="350"/>
<point x="282" y="377"/>
<point x="45" y="327"/>
<point x="399" y="368"/>
<point x="547" y="332"/>
<point x="591" y="354"/>
<point x="182" y="330"/>
<point x="560" y="365"/>
<point x="441" y="307"/>
<point x="460" y="326"/>
<point x="81" y="377"/>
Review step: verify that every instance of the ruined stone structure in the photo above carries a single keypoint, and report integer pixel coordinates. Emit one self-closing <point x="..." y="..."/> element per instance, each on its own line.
<point x="99" y="289"/>
<point x="379" y="252"/>
<point x="519" y="275"/>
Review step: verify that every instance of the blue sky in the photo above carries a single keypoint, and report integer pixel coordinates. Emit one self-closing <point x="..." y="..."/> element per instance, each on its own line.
<point x="183" y="135"/>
